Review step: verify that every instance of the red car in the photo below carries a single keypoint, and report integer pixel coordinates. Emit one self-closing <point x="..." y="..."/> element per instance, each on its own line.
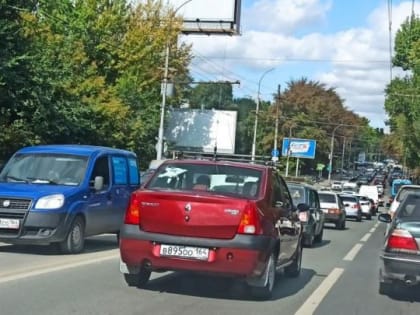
<point x="214" y="217"/>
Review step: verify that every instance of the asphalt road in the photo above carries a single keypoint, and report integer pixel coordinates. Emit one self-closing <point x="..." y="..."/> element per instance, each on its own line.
<point x="339" y="276"/>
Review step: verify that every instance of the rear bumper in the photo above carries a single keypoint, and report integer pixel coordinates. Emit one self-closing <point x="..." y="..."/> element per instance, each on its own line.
<point x="402" y="268"/>
<point x="242" y="256"/>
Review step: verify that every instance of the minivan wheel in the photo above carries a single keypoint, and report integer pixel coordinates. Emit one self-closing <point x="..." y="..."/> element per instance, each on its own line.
<point x="75" y="240"/>
<point x="319" y="237"/>
<point x="138" y="280"/>
<point x="266" y="291"/>
<point x="294" y="269"/>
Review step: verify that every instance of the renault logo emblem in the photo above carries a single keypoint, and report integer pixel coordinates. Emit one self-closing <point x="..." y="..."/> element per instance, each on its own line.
<point x="187" y="207"/>
<point x="6" y="203"/>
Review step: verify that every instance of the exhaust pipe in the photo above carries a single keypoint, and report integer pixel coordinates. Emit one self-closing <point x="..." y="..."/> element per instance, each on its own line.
<point x="410" y="280"/>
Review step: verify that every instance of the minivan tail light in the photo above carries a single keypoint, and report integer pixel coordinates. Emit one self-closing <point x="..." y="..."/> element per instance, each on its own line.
<point x="132" y="214"/>
<point x="250" y="223"/>
<point x="402" y="239"/>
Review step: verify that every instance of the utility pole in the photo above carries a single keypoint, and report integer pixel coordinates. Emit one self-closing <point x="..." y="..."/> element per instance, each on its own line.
<point x="277" y="118"/>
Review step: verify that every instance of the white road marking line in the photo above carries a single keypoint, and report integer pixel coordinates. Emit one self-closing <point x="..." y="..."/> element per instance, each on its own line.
<point x="17" y="275"/>
<point x="366" y="237"/>
<point x="372" y="230"/>
<point x="313" y="301"/>
<point x="353" y="252"/>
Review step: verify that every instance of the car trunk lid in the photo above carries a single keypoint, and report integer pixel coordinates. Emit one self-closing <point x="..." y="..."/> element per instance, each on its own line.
<point x="189" y="214"/>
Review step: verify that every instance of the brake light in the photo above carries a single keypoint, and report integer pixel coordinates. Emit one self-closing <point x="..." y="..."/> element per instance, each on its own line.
<point x="402" y="239"/>
<point x="303" y="216"/>
<point x="132" y="214"/>
<point x="334" y="211"/>
<point x="250" y="223"/>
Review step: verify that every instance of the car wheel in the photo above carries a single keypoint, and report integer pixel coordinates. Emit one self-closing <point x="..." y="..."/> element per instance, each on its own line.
<point x="294" y="269"/>
<point x="308" y="241"/>
<point x="318" y="238"/>
<point x="266" y="291"/>
<point x="138" y="280"/>
<point x="359" y="219"/>
<point x="75" y="240"/>
<point x="343" y="224"/>
<point x="369" y="217"/>
<point x="385" y="288"/>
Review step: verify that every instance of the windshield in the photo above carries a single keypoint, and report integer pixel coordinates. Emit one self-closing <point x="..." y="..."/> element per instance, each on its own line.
<point x="218" y="179"/>
<point x="297" y="193"/>
<point x="57" y="169"/>
<point x="327" y="198"/>
<point x="404" y="192"/>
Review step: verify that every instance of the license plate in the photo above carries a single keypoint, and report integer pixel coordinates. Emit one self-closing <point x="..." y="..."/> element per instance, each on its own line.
<point x="184" y="251"/>
<point x="9" y="224"/>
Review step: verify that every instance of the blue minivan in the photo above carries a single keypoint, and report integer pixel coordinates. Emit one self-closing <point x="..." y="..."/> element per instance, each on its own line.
<point x="60" y="194"/>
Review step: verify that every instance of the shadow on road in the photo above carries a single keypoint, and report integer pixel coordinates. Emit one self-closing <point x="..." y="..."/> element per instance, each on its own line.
<point x="405" y="293"/>
<point x="224" y="288"/>
<point x="92" y="245"/>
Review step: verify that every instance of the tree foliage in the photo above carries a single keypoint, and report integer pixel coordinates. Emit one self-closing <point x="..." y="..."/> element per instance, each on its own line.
<point x="402" y="96"/>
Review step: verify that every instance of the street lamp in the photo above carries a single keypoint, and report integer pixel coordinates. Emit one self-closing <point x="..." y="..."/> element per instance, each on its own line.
<point x="257" y="108"/>
<point x="332" y="152"/>
<point x="159" y="145"/>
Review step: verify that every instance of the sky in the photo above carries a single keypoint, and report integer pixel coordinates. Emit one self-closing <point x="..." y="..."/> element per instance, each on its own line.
<point x="343" y="44"/>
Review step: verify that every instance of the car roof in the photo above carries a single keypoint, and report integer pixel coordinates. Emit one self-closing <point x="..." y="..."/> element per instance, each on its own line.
<point x="218" y="162"/>
<point x="76" y="149"/>
<point x="291" y="183"/>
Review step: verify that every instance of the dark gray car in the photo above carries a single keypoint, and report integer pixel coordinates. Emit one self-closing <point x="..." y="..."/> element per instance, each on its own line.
<point x="400" y="257"/>
<point x="312" y="220"/>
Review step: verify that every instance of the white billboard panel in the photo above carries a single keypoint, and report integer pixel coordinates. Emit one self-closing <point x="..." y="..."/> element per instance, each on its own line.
<point x="201" y="130"/>
<point x="209" y="16"/>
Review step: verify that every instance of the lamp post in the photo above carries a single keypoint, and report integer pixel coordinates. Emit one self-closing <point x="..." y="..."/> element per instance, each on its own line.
<point x="288" y="151"/>
<point x="159" y="145"/>
<point x="332" y="152"/>
<point x="257" y="108"/>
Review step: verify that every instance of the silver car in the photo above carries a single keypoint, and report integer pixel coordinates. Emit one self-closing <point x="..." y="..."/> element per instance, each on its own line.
<point x="353" y="208"/>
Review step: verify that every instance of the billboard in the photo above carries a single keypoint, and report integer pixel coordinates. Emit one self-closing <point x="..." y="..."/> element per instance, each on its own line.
<point x="209" y="16"/>
<point x="299" y="148"/>
<point x="201" y="130"/>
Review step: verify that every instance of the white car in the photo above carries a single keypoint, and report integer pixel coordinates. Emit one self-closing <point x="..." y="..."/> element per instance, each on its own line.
<point x="336" y="185"/>
<point x="366" y="206"/>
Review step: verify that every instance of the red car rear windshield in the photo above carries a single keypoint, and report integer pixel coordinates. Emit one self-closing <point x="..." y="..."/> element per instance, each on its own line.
<point x="220" y="179"/>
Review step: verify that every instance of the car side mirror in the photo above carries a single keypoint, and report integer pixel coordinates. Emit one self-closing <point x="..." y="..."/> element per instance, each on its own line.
<point x="302" y="207"/>
<point x="98" y="183"/>
<point x="385" y="217"/>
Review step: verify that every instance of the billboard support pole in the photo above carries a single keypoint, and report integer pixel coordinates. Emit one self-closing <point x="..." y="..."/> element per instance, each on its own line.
<point x="297" y="167"/>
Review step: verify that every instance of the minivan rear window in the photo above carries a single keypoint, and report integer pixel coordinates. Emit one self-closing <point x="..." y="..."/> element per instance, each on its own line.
<point x="327" y="198"/>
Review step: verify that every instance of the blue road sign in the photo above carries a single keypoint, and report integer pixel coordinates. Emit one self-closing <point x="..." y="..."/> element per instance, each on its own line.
<point x="275" y="153"/>
<point x="299" y="148"/>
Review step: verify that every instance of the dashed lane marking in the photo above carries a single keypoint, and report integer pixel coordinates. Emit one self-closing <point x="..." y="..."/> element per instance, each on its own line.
<point x="366" y="237"/>
<point x="353" y="252"/>
<point x="313" y="301"/>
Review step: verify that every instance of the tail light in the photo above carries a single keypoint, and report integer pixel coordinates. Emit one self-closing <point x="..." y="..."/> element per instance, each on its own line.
<point x="132" y="214"/>
<point x="402" y="240"/>
<point x="334" y="211"/>
<point x="303" y="216"/>
<point x="250" y="223"/>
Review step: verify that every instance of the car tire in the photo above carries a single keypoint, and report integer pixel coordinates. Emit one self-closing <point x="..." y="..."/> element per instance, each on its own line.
<point x="359" y="219"/>
<point x="293" y="270"/>
<point x="318" y="238"/>
<point x="308" y="240"/>
<point x="138" y="280"/>
<point x="265" y="292"/>
<point x="369" y="217"/>
<point x="385" y="288"/>
<point x="74" y="242"/>
<point x="343" y="224"/>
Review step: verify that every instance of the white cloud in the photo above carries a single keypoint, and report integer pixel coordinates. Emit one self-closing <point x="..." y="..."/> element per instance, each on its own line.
<point x="284" y="16"/>
<point x="358" y="58"/>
